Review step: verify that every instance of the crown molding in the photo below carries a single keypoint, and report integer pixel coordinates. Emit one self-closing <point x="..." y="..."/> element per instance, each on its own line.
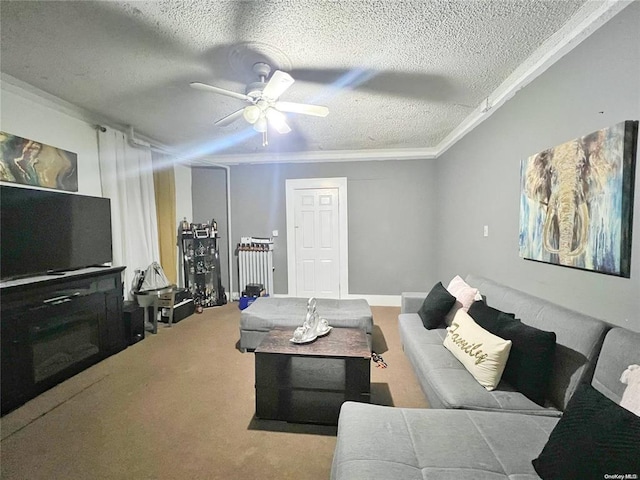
<point x="321" y="156"/>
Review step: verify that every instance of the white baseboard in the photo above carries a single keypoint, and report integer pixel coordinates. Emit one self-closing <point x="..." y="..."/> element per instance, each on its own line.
<point x="373" y="300"/>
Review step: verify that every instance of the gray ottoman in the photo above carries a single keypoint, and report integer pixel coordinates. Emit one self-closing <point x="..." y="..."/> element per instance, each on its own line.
<point x="267" y="313"/>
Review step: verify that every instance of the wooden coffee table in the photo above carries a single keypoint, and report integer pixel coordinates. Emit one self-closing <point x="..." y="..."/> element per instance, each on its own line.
<point x="308" y="383"/>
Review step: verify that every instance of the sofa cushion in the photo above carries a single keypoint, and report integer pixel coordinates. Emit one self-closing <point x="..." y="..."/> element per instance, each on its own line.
<point x="483" y="354"/>
<point x="530" y="361"/>
<point x="594" y="438"/>
<point x="376" y="443"/>
<point x="434" y="308"/>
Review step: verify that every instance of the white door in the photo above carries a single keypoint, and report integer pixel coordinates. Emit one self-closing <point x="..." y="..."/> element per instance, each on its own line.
<point x="317" y="243"/>
<point x="315" y="227"/>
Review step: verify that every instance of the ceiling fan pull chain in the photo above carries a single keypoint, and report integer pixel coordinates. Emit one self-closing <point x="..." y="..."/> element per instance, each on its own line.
<point x="265" y="142"/>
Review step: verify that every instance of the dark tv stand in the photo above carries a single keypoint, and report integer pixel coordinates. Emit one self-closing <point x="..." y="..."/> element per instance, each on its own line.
<point x="54" y="326"/>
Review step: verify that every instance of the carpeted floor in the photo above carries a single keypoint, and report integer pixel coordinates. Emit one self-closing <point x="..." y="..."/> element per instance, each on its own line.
<point x="180" y="405"/>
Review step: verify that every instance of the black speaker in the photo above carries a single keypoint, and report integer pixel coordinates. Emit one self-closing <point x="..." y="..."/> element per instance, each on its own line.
<point x="133" y="321"/>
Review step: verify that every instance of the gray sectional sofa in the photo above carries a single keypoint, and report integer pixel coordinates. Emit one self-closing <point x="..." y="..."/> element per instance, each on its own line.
<point x="447" y="384"/>
<point x="471" y="433"/>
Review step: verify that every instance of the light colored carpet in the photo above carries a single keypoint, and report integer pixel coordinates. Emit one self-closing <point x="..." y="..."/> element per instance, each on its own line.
<point x="180" y="405"/>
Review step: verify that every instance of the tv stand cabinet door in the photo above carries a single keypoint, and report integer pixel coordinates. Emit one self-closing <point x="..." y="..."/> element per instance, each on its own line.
<point x="14" y="361"/>
<point x="112" y="324"/>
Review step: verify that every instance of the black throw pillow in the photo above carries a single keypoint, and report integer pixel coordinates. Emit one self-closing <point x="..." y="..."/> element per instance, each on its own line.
<point x="530" y="361"/>
<point x="484" y="314"/>
<point x="594" y="439"/>
<point x="436" y="306"/>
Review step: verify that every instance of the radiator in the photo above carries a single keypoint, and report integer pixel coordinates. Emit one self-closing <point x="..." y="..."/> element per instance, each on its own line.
<point x="255" y="262"/>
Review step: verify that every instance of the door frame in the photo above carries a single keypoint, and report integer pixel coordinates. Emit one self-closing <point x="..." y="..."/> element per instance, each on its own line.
<point x="315" y="183"/>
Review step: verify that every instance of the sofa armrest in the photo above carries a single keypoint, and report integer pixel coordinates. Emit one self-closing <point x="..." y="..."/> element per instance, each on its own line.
<point x="410" y="302"/>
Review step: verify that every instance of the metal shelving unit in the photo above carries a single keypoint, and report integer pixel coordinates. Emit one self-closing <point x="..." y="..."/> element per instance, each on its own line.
<point x="201" y="263"/>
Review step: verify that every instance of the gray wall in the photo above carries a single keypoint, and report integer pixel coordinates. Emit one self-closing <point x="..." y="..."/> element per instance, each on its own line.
<point x="595" y="86"/>
<point x="209" y="197"/>
<point x="390" y="217"/>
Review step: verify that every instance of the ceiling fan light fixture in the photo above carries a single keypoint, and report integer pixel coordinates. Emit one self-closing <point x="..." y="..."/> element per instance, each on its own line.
<point x="252" y="113"/>
<point x="260" y="125"/>
<point x="277" y="120"/>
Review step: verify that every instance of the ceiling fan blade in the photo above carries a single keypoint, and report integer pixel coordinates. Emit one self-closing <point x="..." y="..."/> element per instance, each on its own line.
<point x="277" y="120"/>
<point x="229" y="119"/>
<point x="277" y="85"/>
<point x="387" y="82"/>
<point x="304" y="108"/>
<point x="221" y="91"/>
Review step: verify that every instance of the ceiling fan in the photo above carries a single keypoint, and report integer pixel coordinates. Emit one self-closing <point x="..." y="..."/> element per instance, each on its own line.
<point x="264" y="107"/>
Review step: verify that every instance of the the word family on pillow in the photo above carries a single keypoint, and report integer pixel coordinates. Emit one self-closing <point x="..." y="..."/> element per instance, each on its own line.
<point x="631" y="396"/>
<point x="483" y="354"/>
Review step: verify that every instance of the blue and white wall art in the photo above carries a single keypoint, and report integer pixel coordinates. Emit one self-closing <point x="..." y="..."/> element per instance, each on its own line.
<point x="576" y="201"/>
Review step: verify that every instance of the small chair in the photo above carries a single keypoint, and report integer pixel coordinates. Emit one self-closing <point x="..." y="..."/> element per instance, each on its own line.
<point x="161" y="297"/>
<point x="167" y="300"/>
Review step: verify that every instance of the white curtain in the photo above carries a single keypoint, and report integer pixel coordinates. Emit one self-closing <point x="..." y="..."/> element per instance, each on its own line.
<point x="126" y="175"/>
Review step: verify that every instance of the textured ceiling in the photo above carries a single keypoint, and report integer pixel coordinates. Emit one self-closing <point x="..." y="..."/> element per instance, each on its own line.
<point x="393" y="74"/>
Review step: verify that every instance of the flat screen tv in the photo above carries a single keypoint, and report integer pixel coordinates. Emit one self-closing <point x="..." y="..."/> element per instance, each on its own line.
<point x="45" y="231"/>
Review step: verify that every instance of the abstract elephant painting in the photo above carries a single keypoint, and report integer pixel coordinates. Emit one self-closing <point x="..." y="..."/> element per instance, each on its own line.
<point x="576" y="201"/>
